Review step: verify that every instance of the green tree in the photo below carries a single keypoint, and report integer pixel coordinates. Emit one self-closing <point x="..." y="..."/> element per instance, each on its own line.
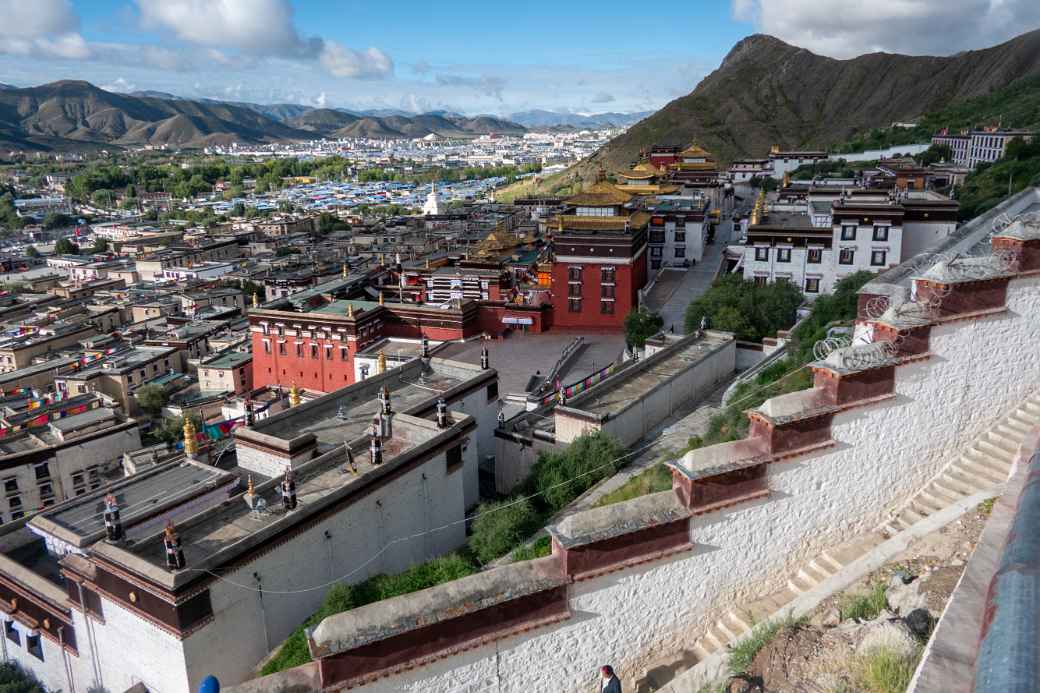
<point x="101" y="245"/>
<point x="748" y="309"/>
<point x="64" y="246"/>
<point x="152" y="398"/>
<point x="57" y="220"/>
<point x="31" y="251"/>
<point x="640" y="325"/>
<point x="102" y="198"/>
<point x="501" y="526"/>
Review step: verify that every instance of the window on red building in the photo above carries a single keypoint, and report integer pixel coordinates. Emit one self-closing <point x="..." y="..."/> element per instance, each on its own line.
<point x="574" y="305"/>
<point x="607" y="291"/>
<point x="314" y="351"/>
<point x="328" y="352"/>
<point x="606" y="307"/>
<point x="299" y="350"/>
<point x="574" y="274"/>
<point x="344" y="354"/>
<point x="607" y="275"/>
<point x="574" y="290"/>
<point x="267" y="346"/>
<point x="281" y="348"/>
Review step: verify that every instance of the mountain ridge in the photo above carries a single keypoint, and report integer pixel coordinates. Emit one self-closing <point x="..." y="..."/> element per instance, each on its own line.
<point x="767" y="92"/>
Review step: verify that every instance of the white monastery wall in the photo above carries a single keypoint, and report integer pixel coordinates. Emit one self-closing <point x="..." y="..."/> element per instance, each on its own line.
<point x="980" y="367"/>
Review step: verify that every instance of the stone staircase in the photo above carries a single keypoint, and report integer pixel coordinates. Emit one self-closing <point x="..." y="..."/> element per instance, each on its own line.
<point x="738" y="621"/>
<point x="985" y="464"/>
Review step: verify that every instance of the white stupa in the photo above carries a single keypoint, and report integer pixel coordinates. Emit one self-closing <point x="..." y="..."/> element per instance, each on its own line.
<point x="432" y="204"/>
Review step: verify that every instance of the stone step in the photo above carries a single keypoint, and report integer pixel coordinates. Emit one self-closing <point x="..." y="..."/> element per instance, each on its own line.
<point x="1022" y="427"/>
<point x="701" y="652"/>
<point x="799" y="584"/>
<point x="1012" y="434"/>
<point x="726" y="630"/>
<point x="948" y="482"/>
<point x="891" y="529"/>
<point x="710" y="638"/>
<point x="994" y="438"/>
<point x="1000" y="453"/>
<point x="826" y="564"/>
<point x="1030" y="416"/>
<point x="910" y="517"/>
<point x="986" y="471"/>
<point x="968" y="477"/>
<point x="929" y="502"/>
<point x="847" y="553"/>
<point x="1032" y="407"/>
<point x="944" y="495"/>
<point x="744" y="618"/>
<point x="811" y="575"/>
<point x="984" y="459"/>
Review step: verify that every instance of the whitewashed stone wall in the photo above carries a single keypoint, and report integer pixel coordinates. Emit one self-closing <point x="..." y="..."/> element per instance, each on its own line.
<point x="980" y="368"/>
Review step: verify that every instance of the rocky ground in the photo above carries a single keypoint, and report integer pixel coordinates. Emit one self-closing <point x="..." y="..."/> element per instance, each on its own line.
<point x="868" y="638"/>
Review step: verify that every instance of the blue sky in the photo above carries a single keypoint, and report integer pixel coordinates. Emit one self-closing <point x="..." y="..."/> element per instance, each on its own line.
<point x="474" y="57"/>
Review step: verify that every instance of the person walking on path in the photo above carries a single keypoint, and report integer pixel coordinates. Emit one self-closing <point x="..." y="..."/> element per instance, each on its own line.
<point x="610" y="683"/>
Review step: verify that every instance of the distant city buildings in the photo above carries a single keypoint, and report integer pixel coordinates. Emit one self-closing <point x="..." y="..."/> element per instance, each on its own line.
<point x="973" y="147"/>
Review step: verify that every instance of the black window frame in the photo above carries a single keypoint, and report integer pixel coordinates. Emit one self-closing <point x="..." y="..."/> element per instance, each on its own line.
<point x="883" y="235"/>
<point x="815" y="285"/>
<point x="573" y="305"/>
<point x="34" y="646"/>
<point x="783" y="255"/>
<point x="851" y="255"/>
<point x="848" y="233"/>
<point x="11" y="633"/>
<point x="574" y="274"/>
<point x="761" y="253"/>
<point x="453" y="459"/>
<point x="492" y="391"/>
<point x="814" y="256"/>
<point x="606" y="307"/>
<point x="874" y="255"/>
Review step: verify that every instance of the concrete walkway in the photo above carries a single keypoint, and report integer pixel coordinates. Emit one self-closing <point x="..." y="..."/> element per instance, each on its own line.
<point x="691" y="284"/>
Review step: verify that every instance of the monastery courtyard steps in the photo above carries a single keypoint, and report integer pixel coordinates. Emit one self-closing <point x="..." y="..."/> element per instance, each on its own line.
<point x="985" y="464"/>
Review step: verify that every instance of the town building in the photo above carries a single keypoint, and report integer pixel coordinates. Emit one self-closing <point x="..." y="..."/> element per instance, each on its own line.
<point x="599" y="259"/>
<point x="231" y="373"/>
<point x="973" y="147"/>
<point x="785" y="162"/>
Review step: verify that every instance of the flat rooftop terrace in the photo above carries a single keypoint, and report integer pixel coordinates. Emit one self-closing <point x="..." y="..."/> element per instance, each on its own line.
<point x="219" y="534"/>
<point x="346" y="414"/>
<point x="138" y="497"/>
<point x="632" y="384"/>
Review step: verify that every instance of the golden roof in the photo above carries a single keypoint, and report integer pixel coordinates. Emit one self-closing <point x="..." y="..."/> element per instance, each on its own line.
<point x="642" y="171"/>
<point x="618" y="223"/>
<point x="650" y="189"/>
<point x="495" y="243"/>
<point x="602" y="194"/>
<point x="695" y="150"/>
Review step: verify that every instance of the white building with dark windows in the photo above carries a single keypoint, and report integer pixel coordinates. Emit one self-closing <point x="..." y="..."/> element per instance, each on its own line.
<point x="862" y="230"/>
<point x="677" y="232"/>
<point x="972" y="148"/>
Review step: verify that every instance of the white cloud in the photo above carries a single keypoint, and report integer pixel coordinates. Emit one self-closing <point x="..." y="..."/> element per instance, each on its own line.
<point x="846" y="28"/>
<point x="120" y="86"/>
<point x="258" y="28"/>
<point x="341" y="61"/>
<point x="485" y="84"/>
<point x="321" y="100"/>
<point x="44" y="28"/>
<point x="602" y="97"/>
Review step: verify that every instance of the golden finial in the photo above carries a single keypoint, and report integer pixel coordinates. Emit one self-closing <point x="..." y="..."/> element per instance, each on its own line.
<point x="427" y="263"/>
<point x="191" y="445"/>
<point x="256" y="299"/>
<point x="787" y="179"/>
<point x="382" y="258"/>
<point x="346" y="270"/>
<point x="381" y="300"/>
<point x="294" y="395"/>
<point x="350" y="311"/>
<point x="251" y="490"/>
<point x="775" y="149"/>
<point x="381" y="363"/>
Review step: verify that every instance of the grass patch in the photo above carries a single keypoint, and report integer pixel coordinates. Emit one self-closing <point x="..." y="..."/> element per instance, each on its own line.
<point x="985" y="508"/>
<point x="885" y="671"/>
<point x="537" y="549"/>
<point x="341" y="597"/>
<point x="864" y="607"/>
<point x="653" y="480"/>
<point x="743" y="653"/>
<point x="503" y="526"/>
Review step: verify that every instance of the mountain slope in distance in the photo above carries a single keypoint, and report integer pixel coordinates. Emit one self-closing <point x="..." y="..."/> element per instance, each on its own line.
<point x="768" y="92"/>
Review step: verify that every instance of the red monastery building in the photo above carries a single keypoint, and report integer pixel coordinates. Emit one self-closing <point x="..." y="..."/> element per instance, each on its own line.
<point x="599" y="262"/>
